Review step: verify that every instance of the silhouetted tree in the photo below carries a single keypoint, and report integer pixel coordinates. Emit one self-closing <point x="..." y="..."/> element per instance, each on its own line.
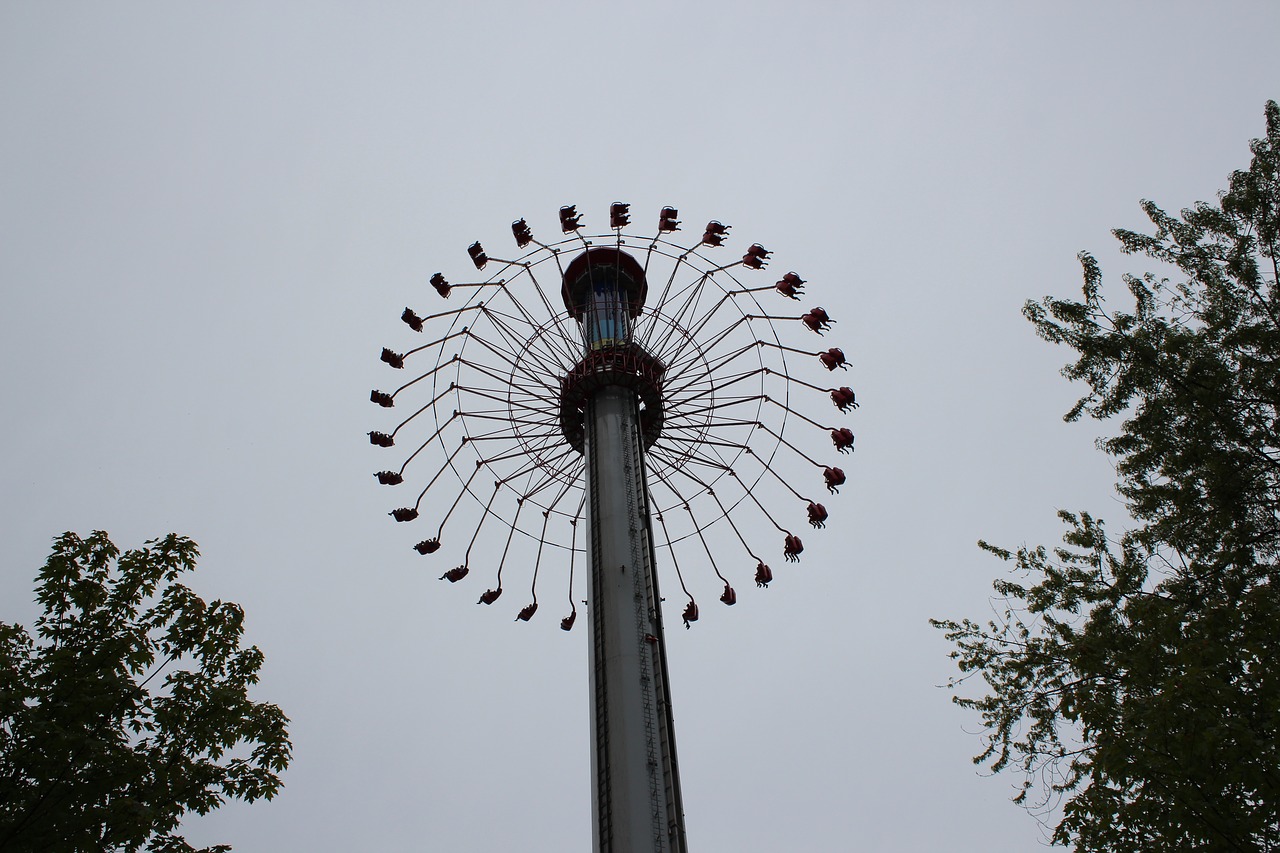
<point x="129" y="707"/>
<point x="1139" y="677"/>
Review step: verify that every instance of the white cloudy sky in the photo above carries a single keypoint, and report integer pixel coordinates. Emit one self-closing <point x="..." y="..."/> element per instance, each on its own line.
<point x="211" y="216"/>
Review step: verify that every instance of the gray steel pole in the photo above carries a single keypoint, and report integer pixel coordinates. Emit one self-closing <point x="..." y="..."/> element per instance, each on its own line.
<point x="636" y="804"/>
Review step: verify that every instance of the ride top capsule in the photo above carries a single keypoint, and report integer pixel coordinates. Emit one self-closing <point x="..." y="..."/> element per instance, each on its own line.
<point x="604" y="289"/>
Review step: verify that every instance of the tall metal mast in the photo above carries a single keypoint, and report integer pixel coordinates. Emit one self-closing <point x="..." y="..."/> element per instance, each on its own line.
<point x="636" y="804"/>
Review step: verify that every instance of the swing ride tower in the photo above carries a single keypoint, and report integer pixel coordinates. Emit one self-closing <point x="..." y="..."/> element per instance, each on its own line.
<point x="579" y="395"/>
<point x="612" y="399"/>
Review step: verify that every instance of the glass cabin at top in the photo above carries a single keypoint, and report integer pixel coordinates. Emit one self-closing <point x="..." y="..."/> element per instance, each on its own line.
<point x="604" y="290"/>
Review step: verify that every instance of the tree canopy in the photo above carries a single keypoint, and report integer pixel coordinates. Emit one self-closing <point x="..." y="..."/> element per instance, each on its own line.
<point x="129" y="706"/>
<point x="1134" y="680"/>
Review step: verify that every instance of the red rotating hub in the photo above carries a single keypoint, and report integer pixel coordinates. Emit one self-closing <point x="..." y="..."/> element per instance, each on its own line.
<point x="626" y="366"/>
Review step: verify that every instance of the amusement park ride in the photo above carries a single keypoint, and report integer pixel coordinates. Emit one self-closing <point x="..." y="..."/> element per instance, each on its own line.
<point x="582" y="397"/>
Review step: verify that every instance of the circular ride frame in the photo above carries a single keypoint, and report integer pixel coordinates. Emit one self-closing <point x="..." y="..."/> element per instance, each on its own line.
<point x="588" y="411"/>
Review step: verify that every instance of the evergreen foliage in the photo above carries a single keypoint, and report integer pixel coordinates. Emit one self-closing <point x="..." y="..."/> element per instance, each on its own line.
<point x="1136" y="681"/>
<point x="129" y="706"/>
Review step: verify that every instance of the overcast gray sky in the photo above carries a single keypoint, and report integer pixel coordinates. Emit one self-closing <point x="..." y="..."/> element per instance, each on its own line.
<point x="212" y="215"/>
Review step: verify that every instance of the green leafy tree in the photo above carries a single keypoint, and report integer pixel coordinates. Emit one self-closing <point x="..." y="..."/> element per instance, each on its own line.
<point x="1135" y="681"/>
<point x="129" y="706"/>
